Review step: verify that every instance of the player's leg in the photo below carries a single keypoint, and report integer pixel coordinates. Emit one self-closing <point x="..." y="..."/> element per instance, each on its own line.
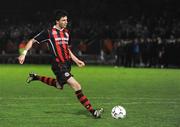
<point x="46" y="80"/>
<point x="57" y="70"/>
<point x="82" y="98"/>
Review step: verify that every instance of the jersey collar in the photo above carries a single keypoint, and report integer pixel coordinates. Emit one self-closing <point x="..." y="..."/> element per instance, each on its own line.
<point x="58" y="28"/>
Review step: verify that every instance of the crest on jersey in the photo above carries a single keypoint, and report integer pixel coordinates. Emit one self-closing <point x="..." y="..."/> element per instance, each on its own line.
<point x="66" y="74"/>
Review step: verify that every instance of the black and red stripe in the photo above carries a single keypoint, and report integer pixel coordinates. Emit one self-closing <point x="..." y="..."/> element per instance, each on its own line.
<point x="59" y="44"/>
<point x="48" y="80"/>
<point x="64" y="45"/>
<point x="84" y="101"/>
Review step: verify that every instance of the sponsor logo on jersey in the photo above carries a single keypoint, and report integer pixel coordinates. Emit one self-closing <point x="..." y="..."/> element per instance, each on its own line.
<point x="61" y="39"/>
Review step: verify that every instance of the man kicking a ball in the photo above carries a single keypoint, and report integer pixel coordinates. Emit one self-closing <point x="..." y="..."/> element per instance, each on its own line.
<point x="57" y="39"/>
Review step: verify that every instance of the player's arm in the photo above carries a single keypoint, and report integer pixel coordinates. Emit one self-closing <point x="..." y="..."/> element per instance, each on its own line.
<point x="76" y="60"/>
<point x="39" y="38"/>
<point x="28" y="46"/>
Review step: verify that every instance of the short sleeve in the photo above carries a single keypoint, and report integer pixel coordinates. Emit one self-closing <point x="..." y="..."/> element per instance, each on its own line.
<point x="42" y="36"/>
<point x="68" y="34"/>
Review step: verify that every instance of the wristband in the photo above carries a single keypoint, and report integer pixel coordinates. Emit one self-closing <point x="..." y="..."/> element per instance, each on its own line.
<point x="24" y="52"/>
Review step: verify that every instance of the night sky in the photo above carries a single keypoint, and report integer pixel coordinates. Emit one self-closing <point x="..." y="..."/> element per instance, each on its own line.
<point x="112" y="9"/>
<point x="14" y="6"/>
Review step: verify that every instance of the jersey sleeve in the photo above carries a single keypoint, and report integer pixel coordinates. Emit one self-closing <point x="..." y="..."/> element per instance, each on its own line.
<point x="69" y="42"/>
<point x="42" y="36"/>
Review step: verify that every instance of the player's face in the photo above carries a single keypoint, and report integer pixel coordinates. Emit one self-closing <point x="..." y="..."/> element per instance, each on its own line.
<point x="62" y="22"/>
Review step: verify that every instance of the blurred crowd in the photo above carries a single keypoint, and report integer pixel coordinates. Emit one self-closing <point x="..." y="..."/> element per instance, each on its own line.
<point x="131" y="41"/>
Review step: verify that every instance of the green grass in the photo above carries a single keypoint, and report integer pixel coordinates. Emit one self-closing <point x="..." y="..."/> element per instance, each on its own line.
<point x="150" y="96"/>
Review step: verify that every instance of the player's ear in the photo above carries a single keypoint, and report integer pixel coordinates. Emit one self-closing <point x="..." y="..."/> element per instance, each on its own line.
<point x="57" y="22"/>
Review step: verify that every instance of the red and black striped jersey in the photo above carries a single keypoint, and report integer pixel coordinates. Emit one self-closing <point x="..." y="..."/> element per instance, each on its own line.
<point x="58" y="41"/>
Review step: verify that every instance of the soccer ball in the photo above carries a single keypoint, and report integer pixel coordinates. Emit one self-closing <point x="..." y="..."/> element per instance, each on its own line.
<point x="118" y="112"/>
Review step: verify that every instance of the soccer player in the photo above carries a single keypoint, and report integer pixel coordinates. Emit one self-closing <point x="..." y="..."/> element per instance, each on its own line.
<point x="57" y="39"/>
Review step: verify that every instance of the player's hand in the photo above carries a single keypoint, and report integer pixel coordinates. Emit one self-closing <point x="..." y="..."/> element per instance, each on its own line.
<point x="21" y="59"/>
<point x="80" y="63"/>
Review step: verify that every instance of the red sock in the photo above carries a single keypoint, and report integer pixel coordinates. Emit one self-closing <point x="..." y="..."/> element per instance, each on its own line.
<point x="47" y="80"/>
<point x="84" y="101"/>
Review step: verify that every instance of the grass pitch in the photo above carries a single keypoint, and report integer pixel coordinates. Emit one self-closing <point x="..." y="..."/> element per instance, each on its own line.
<point x="151" y="97"/>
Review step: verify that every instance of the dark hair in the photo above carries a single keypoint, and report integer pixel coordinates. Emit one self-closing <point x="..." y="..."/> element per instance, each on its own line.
<point x="60" y="13"/>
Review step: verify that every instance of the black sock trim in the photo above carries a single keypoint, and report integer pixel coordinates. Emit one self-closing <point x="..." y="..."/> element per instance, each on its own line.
<point x="78" y="91"/>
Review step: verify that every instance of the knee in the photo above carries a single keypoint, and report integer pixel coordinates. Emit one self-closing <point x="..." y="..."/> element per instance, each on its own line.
<point x="76" y="86"/>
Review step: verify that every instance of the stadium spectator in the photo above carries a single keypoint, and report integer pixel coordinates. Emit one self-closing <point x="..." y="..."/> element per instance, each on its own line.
<point x="11" y="47"/>
<point x="82" y="47"/>
<point x="135" y="53"/>
<point x="148" y="26"/>
<point x="108" y="45"/>
<point x="22" y="45"/>
<point x="120" y="53"/>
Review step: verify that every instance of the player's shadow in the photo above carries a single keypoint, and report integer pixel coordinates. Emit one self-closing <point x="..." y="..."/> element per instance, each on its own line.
<point x="78" y="112"/>
<point x="82" y="112"/>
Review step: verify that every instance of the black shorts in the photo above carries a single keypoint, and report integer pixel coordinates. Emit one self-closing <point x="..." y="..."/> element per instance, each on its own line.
<point x="62" y="71"/>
